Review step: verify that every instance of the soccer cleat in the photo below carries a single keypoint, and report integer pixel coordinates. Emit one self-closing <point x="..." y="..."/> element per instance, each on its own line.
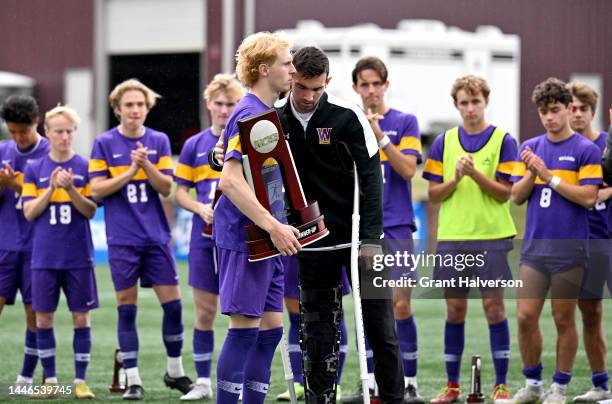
<point x="356" y="397"/>
<point x="133" y="393"/>
<point x="412" y="396"/>
<point x="448" y="394"/>
<point x="299" y="393"/>
<point x="555" y="395"/>
<point x="593" y="395"/>
<point x="182" y="384"/>
<point x="527" y="395"/>
<point x="198" y="392"/>
<point x="501" y="394"/>
<point x="82" y="390"/>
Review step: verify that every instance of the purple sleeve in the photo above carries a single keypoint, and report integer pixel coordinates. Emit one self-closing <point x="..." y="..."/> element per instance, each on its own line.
<point x="183" y="173"/>
<point x="98" y="166"/>
<point x="411" y="138"/>
<point x="165" y="157"/>
<point x="434" y="169"/>
<point x="507" y="158"/>
<point x="590" y="171"/>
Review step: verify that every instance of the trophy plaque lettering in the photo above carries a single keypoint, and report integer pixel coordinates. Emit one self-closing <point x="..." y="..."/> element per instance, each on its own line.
<point x="263" y="143"/>
<point x="475" y="395"/>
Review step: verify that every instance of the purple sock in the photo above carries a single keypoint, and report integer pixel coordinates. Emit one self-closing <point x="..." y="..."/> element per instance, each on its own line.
<point x="46" y="350"/>
<point x="343" y="348"/>
<point x="534" y="373"/>
<point x="499" y="339"/>
<point x="81" y="345"/>
<point x="369" y="354"/>
<point x="172" y="328"/>
<point x="257" y="366"/>
<point x="30" y="354"/>
<point x="295" y="352"/>
<point x="600" y="379"/>
<point x="407" y="336"/>
<point x="454" y="341"/>
<point x="562" y="378"/>
<point x="231" y="363"/>
<point x="203" y="347"/>
<point x="128" y="335"/>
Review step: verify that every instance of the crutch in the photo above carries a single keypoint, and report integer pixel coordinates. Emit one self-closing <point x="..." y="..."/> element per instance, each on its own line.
<point x="363" y="369"/>
<point x="284" y="350"/>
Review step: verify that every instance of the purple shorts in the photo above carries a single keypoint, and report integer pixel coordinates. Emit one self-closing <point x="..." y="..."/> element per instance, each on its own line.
<point x="153" y="264"/>
<point x="552" y="265"/>
<point x="398" y="239"/>
<point x="595" y="276"/>
<point x="203" y="270"/>
<point x="292" y="289"/>
<point x="79" y="286"/>
<point x="484" y="264"/>
<point x="249" y="288"/>
<point x="15" y="274"/>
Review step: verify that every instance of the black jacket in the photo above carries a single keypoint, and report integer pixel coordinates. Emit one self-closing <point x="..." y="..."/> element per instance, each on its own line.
<point x="324" y="154"/>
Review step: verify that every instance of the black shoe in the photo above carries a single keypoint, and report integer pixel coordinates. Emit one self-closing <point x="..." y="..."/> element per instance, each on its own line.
<point x="134" y="392"/>
<point x="412" y="396"/>
<point x="182" y="384"/>
<point x="356" y="397"/>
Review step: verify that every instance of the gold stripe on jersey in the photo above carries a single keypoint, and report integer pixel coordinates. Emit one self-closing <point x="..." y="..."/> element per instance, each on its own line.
<point x="590" y="171"/>
<point x="58" y="195"/>
<point x="506" y="167"/>
<point x="164" y="163"/>
<point x="28" y="190"/>
<point x="234" y="144"/>
<point x="97" y="165"/>
<point x="434" y="167"/>
<point x="184" y="172"/>
<point x="87" y="190"/>
<point x="204" y="172"/>
<point x="567" y="176"/>
<point x="519" y="170"/>
<point x="20" y="178"/>
<point x="118" y="170"/>
<point x="407" y="143"/>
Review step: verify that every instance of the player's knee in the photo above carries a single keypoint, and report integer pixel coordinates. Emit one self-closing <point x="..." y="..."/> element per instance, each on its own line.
<point x="527" y="320"/>
<point x="456" y="312"/>
<point x="563" y="321"/>
<point x="494" y="311"/>
<point x="44" y="320"/>
<point x="401" y="309"/>
<point x="205" y="315"/>
<point x="80" y="319"/>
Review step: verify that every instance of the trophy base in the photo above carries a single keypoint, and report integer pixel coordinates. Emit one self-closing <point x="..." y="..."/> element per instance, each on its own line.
<point x="116" y="389"/>
<point x="312" y="229"/>
<point x="475" y="398"/>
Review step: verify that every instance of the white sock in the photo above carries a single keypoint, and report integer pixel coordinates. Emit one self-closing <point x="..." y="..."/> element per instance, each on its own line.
<point x="371" y="381"/>
<point x="75" y="381"/>
<point x="23" y="380"/>
<point x="204" y="381"/>
<point x="174" y="367"/>
<point x="51" y="380"/>
<point x="133" y="377"/>
<point x="534" y="383"/>
<point x="561" y="387"/>
<point x="410" y="380"/>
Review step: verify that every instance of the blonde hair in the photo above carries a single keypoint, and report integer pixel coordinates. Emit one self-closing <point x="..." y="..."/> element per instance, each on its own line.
<point x="584" y="94"/>
<point x="224" y="84"/>
<point x="132" y="84"/>
<point x="256" y="49"/>
<point x="64" y="110"/>
<point x="472" y="85"/>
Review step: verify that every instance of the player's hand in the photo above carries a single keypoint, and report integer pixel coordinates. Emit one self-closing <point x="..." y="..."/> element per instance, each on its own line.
<point x="604" y="194"/>
<point x="140" y="156"/>
<point x="8" y="176"/>
<point x="206" y="212"/>
<point x="468" y="165"/>
<point x="218" y="153"/>
<point x="65" y="179"/>
<point x="373" y="119"/>
<point x="53" y="181"/>
<point x="527" y="155"/>
<point x="460" y="168"/>
<point x="537" y="165"/>
<point x="285" y="239"/>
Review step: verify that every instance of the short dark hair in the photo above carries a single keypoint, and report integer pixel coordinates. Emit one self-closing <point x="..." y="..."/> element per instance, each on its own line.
<point x="311" y="61"/>
<point x="20" y="109"/>
<point x="550" y="91"/>
<point x="370" y="63"/>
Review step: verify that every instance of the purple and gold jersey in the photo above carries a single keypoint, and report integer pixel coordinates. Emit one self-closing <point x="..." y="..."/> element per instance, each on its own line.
<point x="229" y="229"/>
<point x="577" y="161"/>
<point x="193" y="170"/>
<point x="134" y="214"/>
<point x="62" y="237"/>
<point x="403" y="130"/>
<point x="16" y="230"/>
<point x="471" y="143"/>
<point x="598" y="215"/>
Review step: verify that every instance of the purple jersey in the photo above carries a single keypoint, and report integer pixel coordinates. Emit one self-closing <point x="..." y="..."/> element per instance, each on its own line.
<point x="193" y="170"/>
<point x="471" y="143"/>
<point x="598" y="215"/>
<point x="230" y="223"/>
<point x="62" y="238"/>
<point x="403" y="130"/>
<point x="16" y="230"/>
<point x="134" y="214"/>
<point x="577" y="161"/>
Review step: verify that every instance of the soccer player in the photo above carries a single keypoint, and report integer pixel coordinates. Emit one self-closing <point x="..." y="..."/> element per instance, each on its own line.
<point x="193" y="171"/>
<point x="130" y="168"/>
<point x="57" y="199"/>
<point x="398" y="137"/>
<point x="21" y="116"/>
<point x="558" y="175"/>
<point x="584" y="102"/>
<point x="327" y="135"/>
<point x="251" y="293"/>
<point x="469" y="169"/>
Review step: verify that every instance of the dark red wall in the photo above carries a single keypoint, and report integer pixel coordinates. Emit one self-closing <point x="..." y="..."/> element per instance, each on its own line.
<point x="558" y="37"/>
<point x="42" y="38"/>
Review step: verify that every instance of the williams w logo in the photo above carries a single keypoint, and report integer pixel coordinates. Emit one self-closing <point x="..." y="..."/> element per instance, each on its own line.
<point x="324" y="135"/>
